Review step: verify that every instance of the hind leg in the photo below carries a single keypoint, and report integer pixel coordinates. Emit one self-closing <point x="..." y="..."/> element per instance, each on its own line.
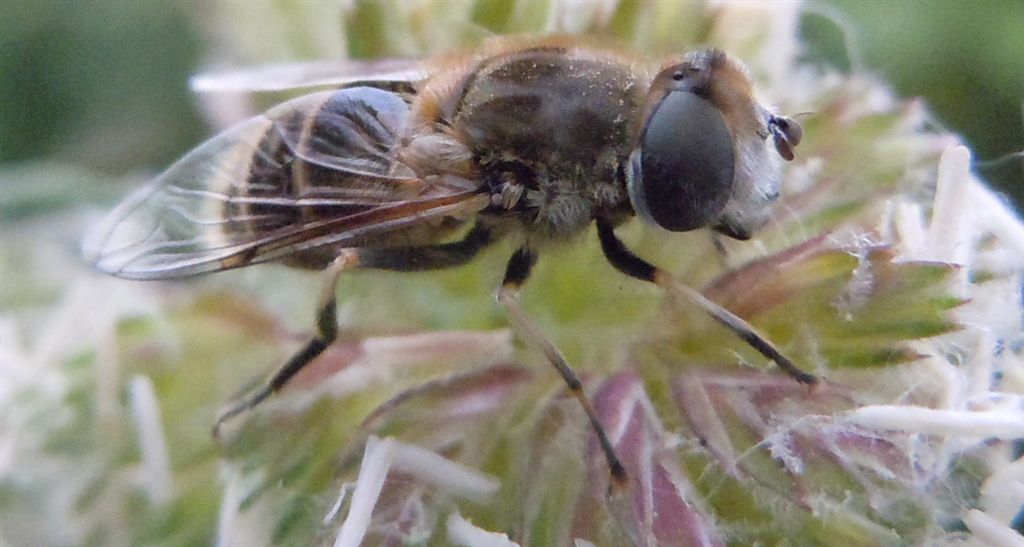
<point x="430" y="257"/>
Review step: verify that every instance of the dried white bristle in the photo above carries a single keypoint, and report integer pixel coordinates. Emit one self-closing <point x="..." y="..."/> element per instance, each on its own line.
<point x="948" y="239"/>
<point x="156" y="463"/>
<point x="380" y="456"/>
<point x="990" y="531"/>
<point x="250" y="527"/>
<point x="1002" y="494"/>
<point x="377" y="459"/>
<point x="343" y="494"/>
<point x="453" y="477"/>
<point x="1002" y="424"/>
<point x="465" y="533"/>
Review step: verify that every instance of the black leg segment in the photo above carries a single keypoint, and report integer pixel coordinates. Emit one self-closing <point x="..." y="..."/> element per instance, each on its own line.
<point x="516" y="273"/>
<point x="622" y="258"/>
<point x="429" y="257"/>
<point x="628" y="263"/>
<point x="519" y="268"/>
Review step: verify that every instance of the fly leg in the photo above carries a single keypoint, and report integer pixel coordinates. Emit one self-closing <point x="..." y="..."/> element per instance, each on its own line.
<point x="327" y="331"/>
<point x="428" y="257"/>
<point x="516" y="273"/>
<point x="628" y="263"/>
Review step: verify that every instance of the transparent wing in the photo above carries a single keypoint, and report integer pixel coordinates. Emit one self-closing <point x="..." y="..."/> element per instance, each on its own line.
<point x="313" y="172"/>
<point x="382" y="73"/>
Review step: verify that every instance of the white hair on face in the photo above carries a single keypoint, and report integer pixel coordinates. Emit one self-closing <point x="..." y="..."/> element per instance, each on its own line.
<point x="756" y="184"/>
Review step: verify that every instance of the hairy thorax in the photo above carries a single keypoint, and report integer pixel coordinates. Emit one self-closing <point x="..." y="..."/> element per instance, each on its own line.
<point x="549" y="130"/>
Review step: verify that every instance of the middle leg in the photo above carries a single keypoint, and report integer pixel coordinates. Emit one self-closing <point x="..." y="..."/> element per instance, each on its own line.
<point x="516" y="273"/>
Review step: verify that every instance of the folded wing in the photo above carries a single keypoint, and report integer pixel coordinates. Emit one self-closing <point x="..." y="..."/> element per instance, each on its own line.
<point x="311" y="174"/>
<point x="380" y="73"/>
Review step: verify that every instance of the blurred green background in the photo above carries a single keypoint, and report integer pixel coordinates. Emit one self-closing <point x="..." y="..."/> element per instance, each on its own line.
<point x="97" y="90"/>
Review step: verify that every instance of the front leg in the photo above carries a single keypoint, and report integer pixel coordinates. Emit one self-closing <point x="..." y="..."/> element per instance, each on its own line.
<point x="516" y="273"/>
<point x="630" y="264"/>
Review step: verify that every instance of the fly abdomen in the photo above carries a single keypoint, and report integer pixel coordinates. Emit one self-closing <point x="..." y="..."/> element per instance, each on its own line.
<point x="324" y="156"/>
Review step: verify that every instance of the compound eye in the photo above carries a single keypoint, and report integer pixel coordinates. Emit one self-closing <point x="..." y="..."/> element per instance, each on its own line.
<point x="681" y="173"/>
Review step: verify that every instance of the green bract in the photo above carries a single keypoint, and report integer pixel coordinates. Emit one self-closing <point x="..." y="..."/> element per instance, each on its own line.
<point x="894" y="275"/>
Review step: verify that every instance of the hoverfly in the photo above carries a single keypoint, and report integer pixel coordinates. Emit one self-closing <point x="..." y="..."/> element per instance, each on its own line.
<point x="412" y="170"/>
